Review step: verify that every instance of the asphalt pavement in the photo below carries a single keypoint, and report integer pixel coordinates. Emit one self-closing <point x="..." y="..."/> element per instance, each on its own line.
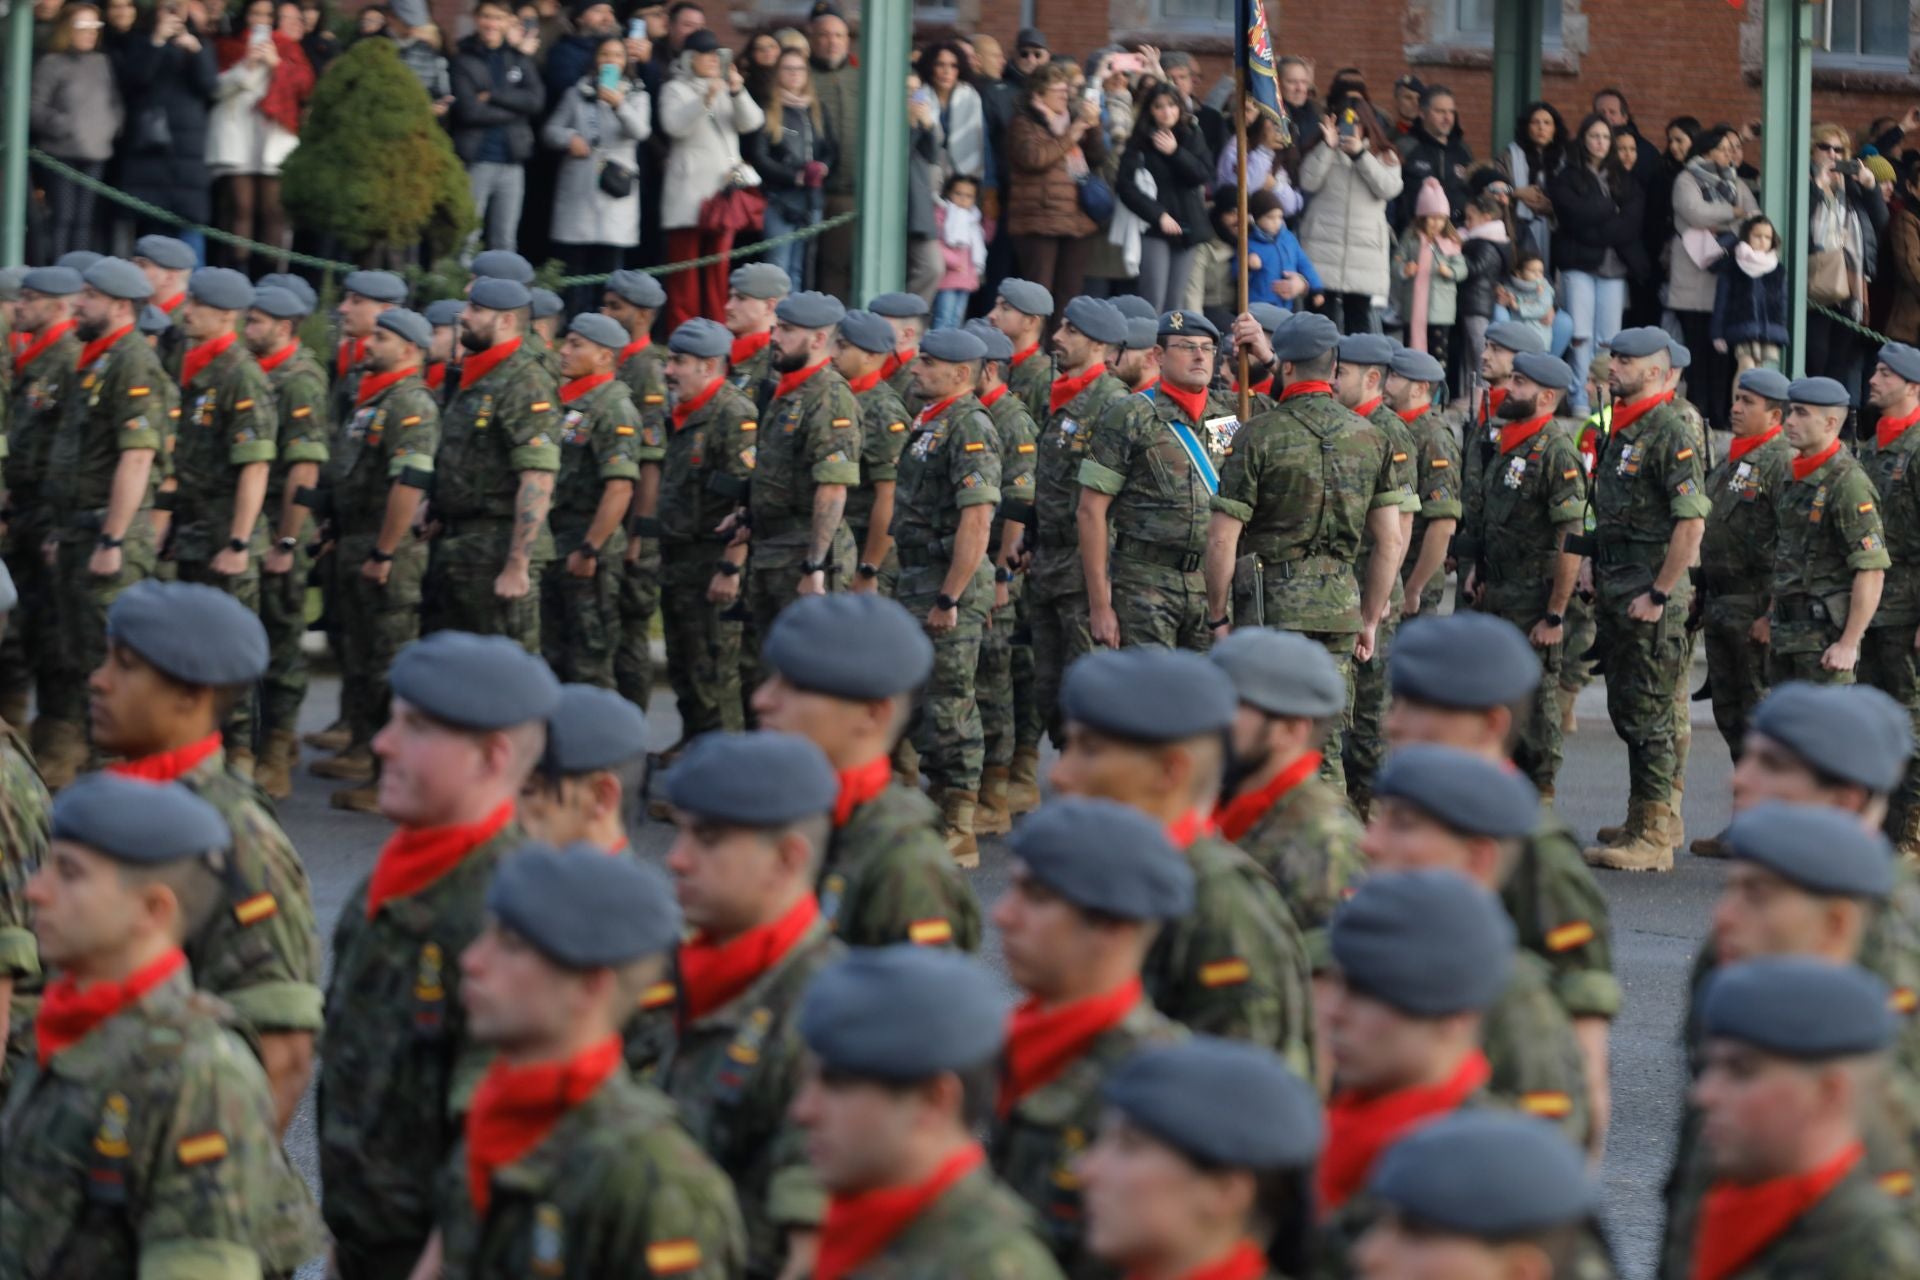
<point x="1658" y="923"/>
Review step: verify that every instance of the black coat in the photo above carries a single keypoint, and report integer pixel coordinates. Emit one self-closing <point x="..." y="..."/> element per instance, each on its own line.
<point x="1750" y="310"/>
<point x="513" y="104"/>
<point x="779" y="163"/>
<point x="1488" y="264"/>
<point x="1180" y="181"/>
<point x="1592" y="220"/>
<point x="163" y="150"/>
<point x="999" y="101"/>
<point x="1424" y="156"/>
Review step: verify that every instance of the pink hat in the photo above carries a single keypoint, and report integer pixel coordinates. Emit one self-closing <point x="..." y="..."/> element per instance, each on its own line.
<point x="1432" y="202"/>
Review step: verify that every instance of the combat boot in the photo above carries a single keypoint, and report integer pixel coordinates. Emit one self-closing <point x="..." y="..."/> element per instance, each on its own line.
<point x="60" y="751"/>
<point x="992" y="818"/>
<point x="956" y="824"/>
<point x="1645" y="847"/>
<point x="277" y="758"/>
<point x="1614" y="835"/>
<point x="1023" y="782"/>
<point x="364" y="798"/>
<point x="1711" y="846"/>
<point x="1569" y="717"/>
<point x="335" y="737"/>
<point x="240" y="762"/>
<point x="355" y="764"/>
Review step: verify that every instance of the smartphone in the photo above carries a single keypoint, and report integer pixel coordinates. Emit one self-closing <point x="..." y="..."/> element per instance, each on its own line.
<point x="1349" y="124"/>
<point x="637" y="29"/>
<point x="1128" y="63"/>
<point x="261" y="35"/>
<point x="726" y="61"/>
<point x="1091" y="94"/>
<point x="609" y="76"/>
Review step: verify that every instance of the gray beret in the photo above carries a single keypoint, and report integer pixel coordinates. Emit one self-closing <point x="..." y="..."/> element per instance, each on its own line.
<point x="1026" y="297"/>
<point x="1486" y="1175"/>
<point x="474" y="682"/>
<point x="583" y="908"/>
<point x="867" y="331"/>
<point x="11" y="280"/>
<point x="1644" y="341"/>
<point x="1142" y="334"/>
<point x="220" y="287"/>
<point x="1511" y="335"/>
<point x="903" y="1013"/>
<point x="861" y="647"/>
<point x="1799" y="1007"/>
<point x="167" y="252"/>
<point x="1098" y="319"/>
<point x="1305" y="337"/>
<point x="760" y="280"/>
<point x="138" y="823"/>
<point x="547" y="303"/>
<point x="9" y="594"/>
<point x="295" y="285"/>
<point x="1134" y="307"/>
<point x="601" y="330"/>
<point x="899" y="306"/>
<point x="502" y="264"/>
<point x="445" y="313"/>
<point x="1543" y="370"/>
<point x="1366" y="348"/>
<point x="1417" y="366"/>
<point x="1271" y="317"/>
<point x="274" y="301"/>
<point x="955" y="346"/>
<point x="1824" y="851"/>
<point x="496" y="294"/>
<point x="1852" y="732"/>
<point x="196" y="634"/>
<point x="1148" y="695"/>
<point x="810" y="310"/>
<point x="638" y="288"/>
<point x="1281" y="673"/>
<point x="1902" y="359"/>
<point x="1468" y="661"/>
<point x="410" y="325"/>
<point x="78" y="259"/>
<point x="1678" y="352"/>
<point x="1225" y="1103"/>
<point x="701" y="337"/>
<point x="55" y="282"/>
<point x="760" y="779"/>
<point x="1175" y="323"/>
<point x="1822" y="392"/>
<point x="1428" y="943"/>
<point x="1105" y="857"/>
<point x="590" y="729"/>
<point x="152" y="321"/>
<point x="118" y="278"/>
<point x="1771" y="384"/>
<point x="999" y="346"/>
<point x="1472" y="795"/>
<point x="376" y="286"/>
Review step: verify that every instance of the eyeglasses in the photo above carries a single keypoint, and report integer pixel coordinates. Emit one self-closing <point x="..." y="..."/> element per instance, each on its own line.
<point x="1836" y="148"/>
<point x="1192" y="348"/>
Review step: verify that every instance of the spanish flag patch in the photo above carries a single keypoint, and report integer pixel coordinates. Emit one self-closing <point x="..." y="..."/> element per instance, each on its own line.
<point x="657" y="996"/>
<point x="1568" y="936"/>
<point x="1439" y="463"/>
<point x="930" y="933"/>
<point x="242" y="406"/>
<point x="1897" y="1183"/>
<point x="203" y="1148"/>
<point x="896" y="426"/>
<point x="670" y="1257"/>
<point x="539" y="406"/>
<point x="1903" y="1000"/>
<point x="134" y="393"/>
<point x="1550" y="1104"/>
<point x="1399" y="457"/>
<point x="1683" y="455"/>
<point x="261" y="906"/>
<point x="1225" y="973"/>
<point x="975" y="446"/>
<point x="749" y="426"/>
<point x="304" y="411"/>
<point x="623" y="431"/>
<point x="411" y="420"/>
<point x="1864" y="507"/>
<point x="1023" y="448"/>
<point x="1570" y="473"/>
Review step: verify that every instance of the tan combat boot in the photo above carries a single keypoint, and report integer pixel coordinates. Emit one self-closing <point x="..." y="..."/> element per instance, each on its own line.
<point x="956" y="824"/>
<point x="335" y="737"/>
<point x="60" y="751"/>
<point x="355" y="764"/>
<point x="364" y="798"/>
<point x="1646" y="846"/>
<point x="1023" y="782"/>
<point x="1614" y="835"/>
<point x="992" y="818"/>
<point x="1569" y="718"/>
<point x="275" y="770"/>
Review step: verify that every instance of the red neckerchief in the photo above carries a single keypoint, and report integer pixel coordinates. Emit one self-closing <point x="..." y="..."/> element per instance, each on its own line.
<point x="1496" y="396"/>
<point x="202" y="354"/>
<point x="1359" y="1128"/>
<point x="859" y="785"/>
<point x="1188" y="828"/>
<point x="634" y="348"/>
<point x="792" y="382"/>
<point x="571" y="391"/>
<point x="1625" y="416"/>
<point x="896" y="362"/>
<point x="1305" y="389"/>
<point x="436" y="375"/>
<point x="414" y="857"/>
<point x="1246" y="1262"/>
<point x="1804" y="467"/>
<point x="1889" y="429"/>
<point x="1238" y="815"/>
<point x="687" y="408"/>
<point x="375" y="383"/>
<point x="99" y="347"/>
<point x="269" y="363"/>
<point x="865" y="382"/>
<point x="1264" y="387"/>
<point x="348" y="355"/>
<point x="1366" y="410"/>
<point x="1041" y="1042"/>
<point x="169" y="766"/>
<point x="1021" y="357"/>
<point x="1737" y="1223"/>
<point x="27" y="354"/>
<point x="68" y="1013"/>
<point x="933" y="411"/>
<point x="989" y="398"/>
<point x="1744" y="445"/>
<point x="171" y="305"/>
<point x="515" y="1108"/>
<point x="859" y="1226"/>
<point x="1191" y="403"/>
<point x="746" y="348"/>
<point x="712" y="973"/>
<point x="1515" y="434"/>
<point x="1065" y="389"/>
<point x="476" y="367"/>
<point x="1411" y="416"/>
<point x="1146" y="386"/>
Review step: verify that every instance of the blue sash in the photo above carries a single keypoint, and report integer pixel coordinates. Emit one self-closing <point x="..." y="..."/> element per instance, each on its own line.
<point x="1196" y="454"/>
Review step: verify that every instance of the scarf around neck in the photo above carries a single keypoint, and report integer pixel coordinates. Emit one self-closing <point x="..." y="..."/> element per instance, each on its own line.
<point x="1042" y="1042"/>
<point x="69" y="1012"/>
<point x="414" y="857"/>
<point x="860" y="1225"/>
<point x="1737" y="1223"/>
<point x="1238" y="815"/>
<point x="1361" y="1126"/>
<point x="515" y="1108"/>
<point x="713" y="973"/>
<point x="169" y="766"/>
<point x="202" y="354"/>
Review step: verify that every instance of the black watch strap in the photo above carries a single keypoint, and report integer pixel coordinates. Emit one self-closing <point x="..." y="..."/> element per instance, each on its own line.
<point x="945" y="601"/>
<point x="1554" y="620"/>
<point x="1214" y="624"/>
<point x="380" y="557"/>
<point x="868" y="569"/>
<point x="1656" y="595"/>
<point x="108" y="543"/>
<point x="288" y="544"/>
<point x="727" y="569"/>
<point x="813" y="566"/>
<point x="236" y="544"/>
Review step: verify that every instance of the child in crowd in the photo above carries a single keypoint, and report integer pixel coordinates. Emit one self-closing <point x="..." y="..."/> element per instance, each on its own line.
<point x="1428" y="266"/>
<point x="1278" y="269"/>
<point x="963" y="249"/>
<point x="1213" y="285"/>
<point x="1750" y="300"/>
<point x="1488" y="248"/>
<point x="1529" y="295"/>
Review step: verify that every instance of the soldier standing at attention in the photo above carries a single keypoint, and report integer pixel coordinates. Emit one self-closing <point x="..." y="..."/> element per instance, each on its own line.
<point x="860" y="352"/>
<point x="168" y="263"/>
<point x="844" y="672"/>
<point x="632" y="300"/>
<point x="1480" y="434"/>
<point x="1092" y="882"/>
<point x="363" y="296"/>
<point x="594" y="769"/>
<point x="25" y="810"/>
<point x="467" y="728"/>
<point x="545" y="313"/>
<point x="753" y="292"/>
<point x="1650" y="507"/>
<point x="599" y="436"/>
<point x="443" y="317"/>
<point x="1411" y="379"/>
<point x="1304" y="483"/>
<point x="1139" y="364"/>
<point x="102" y="471"/>
<point x="179" y="654"/>
<point x="906" y="314"/>
<point x="1148" y="727"/>
<point x="299" y="388"/>
<point x="140" y="1088"/>
<point x="1887" y="654"/>
<point x="1021" y="311"/>
<point x="499" y="452"/>
<point x="569" y="1166"/>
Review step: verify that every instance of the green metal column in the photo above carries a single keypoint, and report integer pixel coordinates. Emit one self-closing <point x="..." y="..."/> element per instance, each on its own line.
<point x="1518" y="31"/>
<point x="14" y="106"/>
<point x="880" y="252"/>
<point x="1786" y="91"/>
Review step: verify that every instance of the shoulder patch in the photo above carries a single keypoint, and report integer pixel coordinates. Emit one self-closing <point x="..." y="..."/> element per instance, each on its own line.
<point x="1896" y="1183"/>
<point x="1683" y="455"/>
<point x="670" y="1257"/>
<point x="1438" y="463"/>
<point x="975" y="446"/>
<point x="1903" y="1000"/>
<point x="539" y="406"/>
<point x="241" y="405"/>
<point x="658" y="996"/>
<point x="653" y="399"/>
<point x="1864" y="507"/>
<point x="896" y="426"/>
<point x="930" y="933"/>
<point x="1570" y="473"/>
<point x="1399" y="457"/>
<point x="623" y="431"/>
<point x="842" y="422"/>
<point x="1569" y="936"/>
<point x="1549" y="1103"/>
<point x="1225" y="973"/>
<point x="411" y="420"/>
<point x="304" y="411"/>
<point x="202" y="1148"/>
<point x="137" y="392"/>
<point x="1023" y="448"/>
<point x="261" y="906"/>
<point x="749" y="426"/>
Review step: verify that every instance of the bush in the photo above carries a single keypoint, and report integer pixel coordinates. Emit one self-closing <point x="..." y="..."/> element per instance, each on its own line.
<point x="374" y="168"/>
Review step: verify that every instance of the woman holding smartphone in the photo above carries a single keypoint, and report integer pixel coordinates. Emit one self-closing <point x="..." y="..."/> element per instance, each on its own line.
<point x="265" y="81"/>
<point x="598" y="126"/>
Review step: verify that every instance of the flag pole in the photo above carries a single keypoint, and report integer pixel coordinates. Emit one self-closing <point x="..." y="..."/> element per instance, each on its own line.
<point x="1240" y="137"/>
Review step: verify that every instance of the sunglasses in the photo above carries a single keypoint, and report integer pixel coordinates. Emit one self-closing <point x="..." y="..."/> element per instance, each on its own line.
<point x="1833" y="147"/>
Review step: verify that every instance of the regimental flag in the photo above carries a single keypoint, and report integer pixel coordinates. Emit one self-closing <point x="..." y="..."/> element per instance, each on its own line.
<point x="1255" y="60"/>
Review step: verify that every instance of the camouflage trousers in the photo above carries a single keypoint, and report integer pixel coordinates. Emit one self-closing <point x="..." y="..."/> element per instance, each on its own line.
<point x="1339" y="644"/>
<point x="1061" y="633"/>
<point x="77" y="635"/>
<point x="374" y="623"/>
<point x="283" y="612"/>
<point x="237" y="733"/>
<point x="703" y="651"/>
<point x="946" y="728"/>
<point x="580" y="617"/>
<point x="1159" y="607"/>
<point x="1782" y="667"/>
<point x="1646" y="664"/>
<point x="993" y="684"/>
<point x="1736" y="666"/>
<point x="1365" y="743"/>
<point x="639" y="601"/>
<point x="459" y="594"/>
<point x="771" y="583"/>
<point x="1029" y="721"/>
<point x="1576" y="671"/>
<point x="1539" y="745"/>
<point x="1887" y="663"/>
<point x="26" y="650"/>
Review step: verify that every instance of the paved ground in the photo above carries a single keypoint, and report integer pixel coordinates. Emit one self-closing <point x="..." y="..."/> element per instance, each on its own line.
<point x="1657" y="921"/>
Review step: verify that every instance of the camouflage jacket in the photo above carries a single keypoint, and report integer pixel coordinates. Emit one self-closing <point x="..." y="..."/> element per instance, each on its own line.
<point x="1236" y="965"/>
<point x="616" y="1190"/>
<point x="1035" y="1144"/>
<point x="397" y="430"/>
<point x="502" y="424"/>
<point x="1527" y="499"/>
<point x="1030" y="377"/>
<point x="1649" y="476"/>
<point x="901" y="380"/>
<point x="122" y="402"/>
<point x="26" y="820"/>
<point x="1529" y="1042"/>
<point x="1736" y="554"/>
<point x="1309" y="842"/>
<point x="1560" y="915"/>
<point x="1829" y="530"/>
<point x="1438" y="477"/>
<point x="644" y="374"/>
<point x="228" y="421"/>
<point x="1162" y="501"/>
<point x="811" y="437"/>
<point x="33" y="417"/>
<point x="1061" y="447"/>
<point x="1895" y="472"/>
<point x="976" y="1230"/>
<point x="396" y="1067"/>
<point x="1018" y="453"/>
<point x="300" y="402"/>
<point x="888" y="878"/>
<point x="883" y="434"/>
<point x="150" y="1148"/>
<point x="1853" y="1233"/>
<point x="714" y="444"/>
<point x="1405" y="471"/>
<point x="599" y="437"/>
<point x="751" y="374"/>
<point x="951" y="463"/>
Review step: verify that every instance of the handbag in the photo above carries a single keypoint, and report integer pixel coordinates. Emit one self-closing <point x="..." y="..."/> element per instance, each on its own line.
<point x="616" y="180"/>
<point x="1829" y="281"/>
<point x="1096" y="198"/>
<point x="733" y="209"/>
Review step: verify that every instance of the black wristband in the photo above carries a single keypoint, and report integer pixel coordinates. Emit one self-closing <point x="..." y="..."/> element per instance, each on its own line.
<point x="1214" y="624"/>
<point x="288" y="544"/>
<point x="1003" y="575"/>
<point x="380" y="557"/>
<point x="109" y="543"/>
<point x="237" y="544"/>
<point x="1656" y="595"/>
<point x="588" y="550"/>
<point x="868" y="569"/>
<point x="814" y="566"/>
<point x="727" y="569"/>
<point x="945" y="601"/>
<point x="1554" y="620"/>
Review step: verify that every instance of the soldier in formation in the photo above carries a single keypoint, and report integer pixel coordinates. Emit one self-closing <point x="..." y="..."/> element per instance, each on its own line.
<point x="591" y="774"/>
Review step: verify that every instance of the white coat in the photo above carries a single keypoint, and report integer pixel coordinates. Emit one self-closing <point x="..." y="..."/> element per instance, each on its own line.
<point x="582" y="212"/>
<point x="1344" y="228"/>
<point x="706" y="145"/>
<point x="239" y="138"/>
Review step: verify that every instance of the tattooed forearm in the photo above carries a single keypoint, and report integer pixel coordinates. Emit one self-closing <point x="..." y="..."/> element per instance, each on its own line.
<point x="829" y="505"/>
<point x="530" y="514"/>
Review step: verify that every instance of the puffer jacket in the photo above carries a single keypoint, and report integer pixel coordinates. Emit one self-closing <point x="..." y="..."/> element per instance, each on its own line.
<point x="1344" y="228"/>
<point x="1488" y="264"/>
<point x="1045" y="199"/>
<point x="1704" y="199"/>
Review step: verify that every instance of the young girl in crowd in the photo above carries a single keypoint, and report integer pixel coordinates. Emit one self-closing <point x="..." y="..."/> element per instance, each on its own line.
<point x="1278" y="269"/>
<point x="963" y="250"/>
<point x="1529" y="295"/>
<point x="1750" y="299"/>
<point x="1428" y="266"/>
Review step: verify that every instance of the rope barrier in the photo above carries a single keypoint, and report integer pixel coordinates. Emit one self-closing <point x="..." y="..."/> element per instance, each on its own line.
<point x="1880" y="338"/>
<point x="153" y="211"/>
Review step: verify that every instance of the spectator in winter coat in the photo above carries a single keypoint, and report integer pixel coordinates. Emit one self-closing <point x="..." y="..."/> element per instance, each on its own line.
<point x="1352" y="178"/>
<point x="1266" y="161"/>
<point x="411" y="29"/>
<point x="836" y="82"/>
<point x="1709" y="202"/>
<point x="1847" y="218"/>
<point x="1750" y="300"/>
<point x="1599" y="245"/>
<point x="1537" y="152"/>
<point x="1052" y="143"/>
<point x="963" y="250"/>
<point x="598" y="123"/>
<point x="705" y="112"/>
<point x="167" y="80"/>
<point x="265" y="82"/>
<point x="74" y="116"/>
<point x="1278" y="269"/>
<point x="1435" y="149"/>
<point x="1903" y="258"/>
<point x="1163" y="180"/>
<point x="1428" y="267"/>
<point x="497" y="95"/>
<point x="574" y="56"/>
<point x="1488" y="250"/>
<point x="962" y="130"/>
<point x="794" y="155"/>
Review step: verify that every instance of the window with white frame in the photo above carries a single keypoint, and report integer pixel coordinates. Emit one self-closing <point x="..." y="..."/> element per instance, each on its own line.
<point x="1862" y="31"/>
<point x="1471" y="21"/>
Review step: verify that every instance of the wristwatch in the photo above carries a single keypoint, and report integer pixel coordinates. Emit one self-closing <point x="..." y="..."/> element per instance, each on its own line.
<point x="813" y="566"/>
<point x="236" y="544"/>
<point x="1553" y="620"/>
<point x="727" y="569"/>
<point x="1656" y="595"/>
<point x="868" y="569"/>
<point x="287" y="544"/>
<point x="109" y="543"/>
<point x="1214" y="624"/>
<point x="588" y="550"/>
<point x="1002" y="574"/>
<point x="380" y="557"/>
<point x="945" y="601"/>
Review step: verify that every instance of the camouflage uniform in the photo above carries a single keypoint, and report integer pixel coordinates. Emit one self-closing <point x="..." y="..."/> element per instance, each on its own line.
<point x="1560" y="916"/>
<point x="900" y="378"/>
<point x="644" y="373"/>
<point x="616" y="1189"/>
<point x="25" y="826"/>
<point x="1030" y="377"/>
<point x="1035" y="1144"/>
<point x="299" y="387"/>
<point x="1886" y="654"/>
<point x="752" y="374"/>
<point x="1309" y="842"/>
<point x="228" y="421"/>
<point x="1365" y="744"/>
<point x="149" y="1148"/>
<point x="33" y="408"/>
<point x="1853" y="1233"/>
<point x="599" y="436"/>
<point x="812" y="437"/>
<point x="884" y="424"/>
<point x="1735" y="579"/>
<point x="976" y="1228"/>
<point x="396" y="431"/>
<point x="396" y="1068"/>
<point x="993" y="682"/>
<point x="1529" y="1043"/>
<point x="1829" y="530"/>
<point x="1302" y="480"/>
<point x="714" y="445"/>
<point x="888" y="878"/>
<point x="500" y="425"/>
<point x="1438" y="478"/>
